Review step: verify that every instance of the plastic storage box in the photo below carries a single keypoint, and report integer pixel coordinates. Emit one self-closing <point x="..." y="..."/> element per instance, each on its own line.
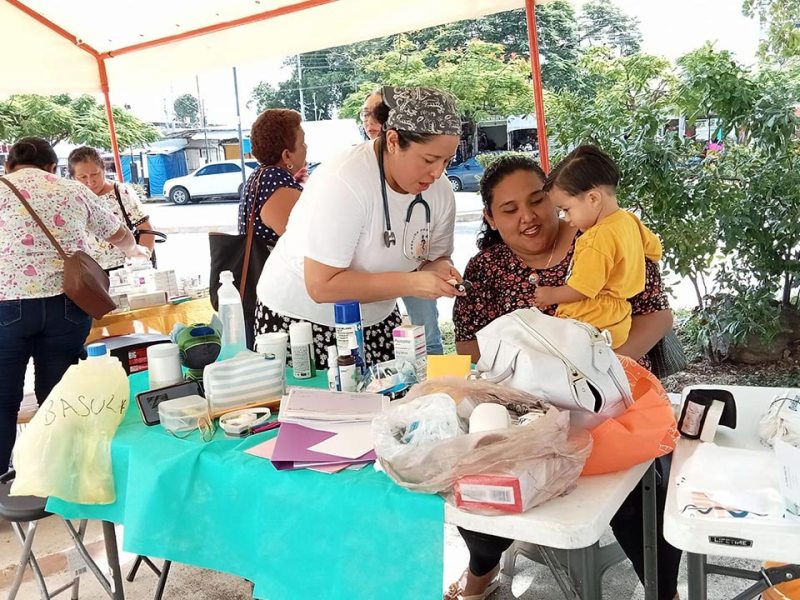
<point x="182" y="414"/>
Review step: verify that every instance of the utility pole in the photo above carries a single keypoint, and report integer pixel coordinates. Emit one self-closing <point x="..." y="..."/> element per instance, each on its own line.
<point x="202" y="109"/>
<point x="300" y="87"/>
<point x="239" y="121"/>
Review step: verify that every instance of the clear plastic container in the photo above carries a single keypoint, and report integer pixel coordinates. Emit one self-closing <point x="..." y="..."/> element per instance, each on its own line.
<point x="231" y="315"/>
<point x="181" y="415"/>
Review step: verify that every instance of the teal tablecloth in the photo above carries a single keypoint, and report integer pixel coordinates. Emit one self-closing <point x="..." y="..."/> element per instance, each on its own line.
<point x="295" y="534"/>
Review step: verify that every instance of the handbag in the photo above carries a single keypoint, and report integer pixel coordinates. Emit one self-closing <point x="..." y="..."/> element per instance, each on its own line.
<point x="85" y="282"/>
<point x="137" y="233"/>
<point x="568" y="363"/>
<point x="244" y="256"/>
<point x="667" y="356"/>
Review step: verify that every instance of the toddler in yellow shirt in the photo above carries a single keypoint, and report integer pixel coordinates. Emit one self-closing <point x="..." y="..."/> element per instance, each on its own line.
<point x="608" y="262"/>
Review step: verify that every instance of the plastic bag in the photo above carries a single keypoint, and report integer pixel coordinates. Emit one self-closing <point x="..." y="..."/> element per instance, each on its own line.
<point x="542" y="458"/>
<point x="65" y="451"/>
<point x="422" y="420"/>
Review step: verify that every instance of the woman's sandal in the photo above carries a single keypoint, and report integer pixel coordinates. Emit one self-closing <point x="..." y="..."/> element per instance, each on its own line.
<point x="456" y="589"/>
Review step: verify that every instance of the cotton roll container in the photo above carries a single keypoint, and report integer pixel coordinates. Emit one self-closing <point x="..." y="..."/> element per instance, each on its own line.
<point x="164" y="365"/>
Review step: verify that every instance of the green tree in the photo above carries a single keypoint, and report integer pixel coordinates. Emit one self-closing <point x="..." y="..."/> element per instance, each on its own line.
<point x="187" y="110"/>
<point x="780" y="19"/>
<point x="60" y="118"/>
<point x="731" y="212"/>
<point x="623" y="108"/>
<point x="326" y="77"/>
<point x="604" y="23"/>
<point x="482" y="78"/>
<point x="330" y="76"/>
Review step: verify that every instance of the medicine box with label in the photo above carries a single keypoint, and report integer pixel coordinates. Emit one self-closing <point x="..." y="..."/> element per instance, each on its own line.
<point x="409" y="345"/>
<point x="146" y="300"/>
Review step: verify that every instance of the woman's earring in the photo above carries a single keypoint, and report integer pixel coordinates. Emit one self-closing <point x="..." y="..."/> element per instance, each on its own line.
<point x="289" y="166"/>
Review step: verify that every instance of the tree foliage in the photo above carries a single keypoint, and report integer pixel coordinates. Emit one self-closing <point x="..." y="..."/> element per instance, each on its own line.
<point x="781" y="21"/>
<point x="80" y="120"/>
<point x="731" y="212"/>
<point x="604" y="24"/>
<point x="340" y="77"/>
<point x="484" y="81"/>
<point x="187" y="110"/>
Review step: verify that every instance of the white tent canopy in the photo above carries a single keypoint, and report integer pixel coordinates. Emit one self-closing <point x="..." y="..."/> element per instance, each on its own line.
<point x="41" y="60"/>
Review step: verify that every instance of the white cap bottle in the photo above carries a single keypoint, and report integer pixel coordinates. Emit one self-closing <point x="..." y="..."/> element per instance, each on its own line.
<point x="301" y="340"/>
<point x="334" y="384"/>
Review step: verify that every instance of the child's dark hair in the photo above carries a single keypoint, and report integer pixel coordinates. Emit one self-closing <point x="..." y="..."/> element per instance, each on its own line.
<point x="34" y="151"/>
<point x="584" y="168"/>
<point x="494" y="174"/>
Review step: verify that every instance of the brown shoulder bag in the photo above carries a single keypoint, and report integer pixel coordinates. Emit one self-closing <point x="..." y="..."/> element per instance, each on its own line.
<point x="85" y="282"/>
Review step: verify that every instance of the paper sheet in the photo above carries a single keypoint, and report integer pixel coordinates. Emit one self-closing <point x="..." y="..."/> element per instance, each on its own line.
<point x="265" y="449"/>
<point x="314" y="404"/>
<point x="352" y="440"/>
<point x="449" y="365"/>
<point x="788" y="457"/>
<point x="721" y="481"/>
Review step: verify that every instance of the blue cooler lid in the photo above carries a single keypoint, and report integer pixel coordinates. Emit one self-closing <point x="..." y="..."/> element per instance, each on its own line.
<point x="96" y="350"/>
<point x="347" y="311"/>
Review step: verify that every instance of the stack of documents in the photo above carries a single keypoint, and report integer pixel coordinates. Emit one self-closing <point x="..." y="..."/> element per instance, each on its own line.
<point x="326" y="429"/>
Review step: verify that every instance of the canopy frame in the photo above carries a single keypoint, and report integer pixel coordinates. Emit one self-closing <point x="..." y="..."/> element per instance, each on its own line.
<point x="102" y="57"/>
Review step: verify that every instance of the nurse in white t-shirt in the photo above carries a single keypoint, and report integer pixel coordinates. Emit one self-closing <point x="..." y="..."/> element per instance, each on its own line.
<point x="373" y="224"/>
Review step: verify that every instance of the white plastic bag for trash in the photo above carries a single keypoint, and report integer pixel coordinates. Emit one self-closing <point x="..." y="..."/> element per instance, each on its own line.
<point x="65" y="451"/>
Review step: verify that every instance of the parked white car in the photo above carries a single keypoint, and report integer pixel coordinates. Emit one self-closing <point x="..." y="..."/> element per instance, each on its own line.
<point x="214" y="180"/>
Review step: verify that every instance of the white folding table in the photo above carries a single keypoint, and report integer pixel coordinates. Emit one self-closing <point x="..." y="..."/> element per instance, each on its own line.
<point x="750" y="538"/>
<point x="574" y="522"/>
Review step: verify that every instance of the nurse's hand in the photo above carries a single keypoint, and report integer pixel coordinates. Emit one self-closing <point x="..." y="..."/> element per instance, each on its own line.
<point x="443" y="266"/>
<point x="431" y="285"/>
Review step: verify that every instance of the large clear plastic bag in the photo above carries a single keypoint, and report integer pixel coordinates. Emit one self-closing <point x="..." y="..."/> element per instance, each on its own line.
<point x="543" y="457"/>
<point x="65" y="451"/>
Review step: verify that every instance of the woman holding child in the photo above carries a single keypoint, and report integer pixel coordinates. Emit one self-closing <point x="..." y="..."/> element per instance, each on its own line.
<point x="525" y="249"/>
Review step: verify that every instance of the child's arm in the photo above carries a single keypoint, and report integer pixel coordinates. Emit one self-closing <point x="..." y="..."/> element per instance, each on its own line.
<point x="544" y="296"/>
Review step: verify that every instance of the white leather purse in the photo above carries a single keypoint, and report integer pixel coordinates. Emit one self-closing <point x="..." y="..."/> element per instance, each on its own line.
<point x="567" y="363"/>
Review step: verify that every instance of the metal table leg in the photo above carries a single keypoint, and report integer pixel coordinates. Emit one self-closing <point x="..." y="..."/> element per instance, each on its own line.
<point x="650" y="531"/>
<point x="696" y="567"/>
<point x="110" y="536"/>
<point x="583" y="569"/>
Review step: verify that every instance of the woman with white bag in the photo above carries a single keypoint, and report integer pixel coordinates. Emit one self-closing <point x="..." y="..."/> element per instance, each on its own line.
<point x="523" y="243"/>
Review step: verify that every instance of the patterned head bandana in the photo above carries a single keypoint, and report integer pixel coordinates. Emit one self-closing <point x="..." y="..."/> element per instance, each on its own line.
<point x="422" y="110"/>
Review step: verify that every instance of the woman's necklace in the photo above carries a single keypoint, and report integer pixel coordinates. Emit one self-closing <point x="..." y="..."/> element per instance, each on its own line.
<point x="534" y="276"/>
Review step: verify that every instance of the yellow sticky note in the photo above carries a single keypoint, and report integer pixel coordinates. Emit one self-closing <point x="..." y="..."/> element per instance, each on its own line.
<point x="449" y="365"/>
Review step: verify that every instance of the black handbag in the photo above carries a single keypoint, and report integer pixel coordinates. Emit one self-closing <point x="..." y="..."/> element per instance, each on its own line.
<point x="667" y="356"/>
<point x="244" y="256"/>
<point x="137" y="233"/>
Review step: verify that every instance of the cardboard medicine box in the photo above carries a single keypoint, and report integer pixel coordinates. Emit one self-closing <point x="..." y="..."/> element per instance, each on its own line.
<point x="409" y="345"/>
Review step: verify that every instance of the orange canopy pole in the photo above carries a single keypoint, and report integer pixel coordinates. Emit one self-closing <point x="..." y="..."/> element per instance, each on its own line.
<point x="538" y="96"/>
<point x="262" y="16"/>
<point x="112" y="129"/>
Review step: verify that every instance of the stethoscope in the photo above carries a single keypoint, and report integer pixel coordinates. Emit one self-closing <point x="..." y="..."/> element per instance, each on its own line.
<point x="389" y="238"/>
